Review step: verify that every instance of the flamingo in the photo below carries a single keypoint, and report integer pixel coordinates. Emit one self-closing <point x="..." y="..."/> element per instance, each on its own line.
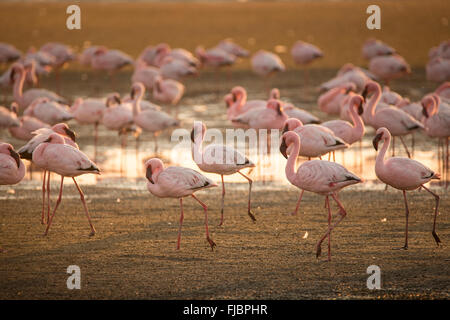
<point x="318" y="176"/>
<point x="62" y="55"/>
<point x="438" y="69"/>
<point x="228" y="45"/>
<point x="355" y="76"/>
<point x="294" y="112"/>
<point x="215" y="57"/>
<point x="350" y="66"/>
<point x="24" y="99"/>
<point x="398" y="122"/>
<point x="270" y="117"/>
<point x="8" y="117"/>
<point x="41" y="135"/>
<point x="443" y="91"/>
<point x="389" y="67"/>
<point x="168" y="91"/>
<point x="220" y="159"/>
<point x="85" y="58"/>
<point x="437" y="124"/>
<point x="177" y="182"/>
<point x="403" y="174"/>
<point x="241" y="104"/>
<point x="54" y="155"/>
<point x="50" y="112"/>
<point x="317" y="141"/>
<point x="265" y="64"/>
<point x="304" y="54"/>
<point x="373" y="48"/>
<point x="8" y="53"/>
<point x="442" y="50"/>
<point x="12" y="170"/>
<point x="176" y="69"/>
<point x="330" y="101"/>
<point x="145" y="74"/>
<point x="151" y="54"/>
<point x="178" y="54"/>
<point x="27" y="126"/>
<point x="110" y="61"/>
<point x="153" y="121"/>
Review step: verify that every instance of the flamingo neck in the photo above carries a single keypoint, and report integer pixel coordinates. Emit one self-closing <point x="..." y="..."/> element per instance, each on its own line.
<point x="137" y="105"/>
<point x="18" y="89"/>
<point x="358" y="124"/>
<point x="197" y="149"/>
<point x="379" y="162"/>
<point x="241" y="101"/>
<point x="290" y="165"/>
<point x="374" y="101"/>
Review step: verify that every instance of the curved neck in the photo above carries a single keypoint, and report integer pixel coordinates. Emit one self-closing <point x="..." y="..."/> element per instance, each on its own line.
<point x="137" y="104"/>
<point x="18" y="87"/>
<point x="197" y="149"/>
<point x="241" y="101"/>
<point x="374" y="101"/>
<point x="358" y="124"/>
<point x="290" y="165"/>
<point x="379" y="162"/>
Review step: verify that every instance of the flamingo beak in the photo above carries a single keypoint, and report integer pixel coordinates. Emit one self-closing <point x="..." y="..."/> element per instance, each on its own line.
<point x="285" y="128"/>
<point x="234" y="97"/>
<point x="360" y="108"/>
<point x="283" y="148"/>
<point x="117" y="99"/>
<point x="15" y="155"/>
<point x="364" y="93"/>
<point x="132" y="93"/>
<point x="12" y="74"/>
<point x="279" y="109"/>
<point x="148" y="174"/>
<point x="424" y="110"/>
<point x="376" y="140"/>
<point x="70" y="134"/>
<point x="192" y="135"/>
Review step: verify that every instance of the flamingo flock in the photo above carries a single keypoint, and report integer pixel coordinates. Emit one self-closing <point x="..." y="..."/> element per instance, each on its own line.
<point x="354" y="97"/>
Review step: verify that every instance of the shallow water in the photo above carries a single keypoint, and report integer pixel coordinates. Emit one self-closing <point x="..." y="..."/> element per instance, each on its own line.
<point x="203" y="101"/>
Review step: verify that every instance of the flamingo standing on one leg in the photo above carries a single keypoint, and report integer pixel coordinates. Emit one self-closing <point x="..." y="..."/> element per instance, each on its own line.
<point x="318" y="176"/>
<point x="177" y="182"/>
<point x="56" y="156"/>
<point x="12" y="169"/>
<point x="265" y="63"/>
<point x="220" y="159"/>
<point x="304" y="54"/>
<point x="403" y="174"/>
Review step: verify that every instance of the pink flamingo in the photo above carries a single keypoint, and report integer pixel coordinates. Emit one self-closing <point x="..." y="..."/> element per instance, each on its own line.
<point x="373" y="48"/>
<point x="85" y="58"/>
<point x="177" y="182"/>
<point x="110" y="61"/>
<point x="168" y="91"/>
<point x="304" y="54"/>
<point x="443" y="91"/>
<point x="389" y="67"/>
<point x="442" y="50"/>
<point x="8" y="117"/>
<point x="220" y="159"/>
<point x="241" y="104"/>
<point x="62" y="54"/>
<point x="48" y="111"/>
<point x="398" y="122"/>
<point x="403" y="174"/>
<point x="152" y="54"/>
<point x="54" y="155"/>
<point x="233" y="48"/>
<point x="350" y="67"/>
<point x="317" y="141"/>
<point x="178" y="54"/>
<point x="330" y="101"/>
<point x="27" y="125"/>
<point x="215" y="57"/>
<point x="8" y="53"/>
<point x="145" y="74"/>
<point x="176" y="69"/>
<point x="318" y="176"/>
<point x="270" y="117"/>
<point x="24" y="99"/>
<point x="355" y="76"/>
<point x="294" y="112"/>
<point x="437" y="124"/>
<point x="438" y="69"/>
<point x="153" y="121"/>
<point x="41" y="135"/>
<point x="265" y="64"/>
<point x="12" y="170"/>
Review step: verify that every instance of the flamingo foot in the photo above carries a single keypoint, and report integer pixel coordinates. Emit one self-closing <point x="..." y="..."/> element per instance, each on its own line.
<point x="293" y="213"/>
<point x="211" y="243"/>
<point x="92" y="233"/>
<point x="405" y="247"/>
<point x="318" y="250"/>
<point x="436" y="238"/>
<point x="251" y="215"/>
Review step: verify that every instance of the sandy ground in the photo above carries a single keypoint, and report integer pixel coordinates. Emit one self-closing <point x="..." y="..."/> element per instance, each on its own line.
<point x="133" y="253"/>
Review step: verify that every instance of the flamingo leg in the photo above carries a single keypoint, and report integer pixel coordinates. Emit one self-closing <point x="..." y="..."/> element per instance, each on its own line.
<point x="298" y="203"/>
<point x="446" y="163"/>
<point x="205" y="208"/>
<point x="329" y="224"/>
<point x="48" y="196"/>
<point x="393" y="146"/>
<point x="413" y="143"/>
<point x="407" y="216"/>
<point x="250" y="182"/>
<point x="43" y="198"/>
<point x="181" y="224"/>
<point x="156" y="143"/>
<point x="436" y="212"/>
<point x="361" y="156"/>
<point x="95" y="140"/>
<point x="49" y="223"/>
<point x="439" y="157"/>
<point x="223" y="201"/>
<point x="406" y="148"/>
<point x="342" y="213"/>
<point x="85" y="207"/>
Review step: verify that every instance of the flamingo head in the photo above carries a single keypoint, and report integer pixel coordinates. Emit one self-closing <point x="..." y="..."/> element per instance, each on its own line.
<point x="357" y="101"/>
<point x="198" y="129"/>
<point x="229" y="100"/>
<point x="275" y="105"/>
<point x="16" y="68"/>
<point x="371" y="87"/>
<point x="429" y="103"/>
<point x="55" y="138"/>
<point x="14" y="107"/>
<point x="275" y="93"/>
<point x="113" y="98"/>
<point x="290" y="124"/>
<point x="238" y="92"/>
<point x="137" y="90"/>
<point x="63" y="129"/>
<point x="152" y="169"/>
<point x="8" y="149"/>
<point x="382" y="133"/>
<point x="287" y="142"/>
